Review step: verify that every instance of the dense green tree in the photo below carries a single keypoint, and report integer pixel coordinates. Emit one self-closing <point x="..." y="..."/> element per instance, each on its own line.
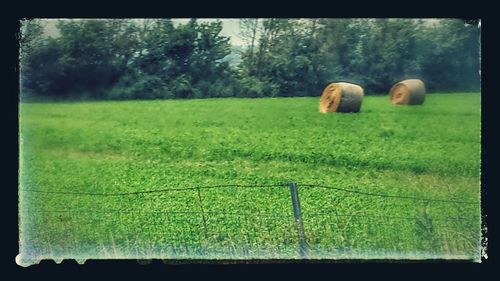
<point x="88" y="57"/>
<point x="301" y="56"/>
<point x="372" y="52"/>
<point x="154" y="58"/>
<point x="31" y="40"/>
<point x="286" y="59"/>
<point x="178" y="62"/>
<point x="207" y="64"/>
<point x="30" y="37"/>
<point x="450" y="56"/>
<point x="387" y="53"/>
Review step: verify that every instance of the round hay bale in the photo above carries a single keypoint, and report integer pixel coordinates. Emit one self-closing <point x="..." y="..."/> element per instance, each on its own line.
<point x="408" y="92"/>
<point x="341" y="97"/>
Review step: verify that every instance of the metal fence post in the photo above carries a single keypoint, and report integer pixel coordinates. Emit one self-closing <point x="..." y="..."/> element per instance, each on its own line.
<point x="298" y="219"/>
<point x="200" y="201"/>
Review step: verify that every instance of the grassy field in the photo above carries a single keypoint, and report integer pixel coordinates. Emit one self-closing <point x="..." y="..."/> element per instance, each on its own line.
<point x="430" y="151"/>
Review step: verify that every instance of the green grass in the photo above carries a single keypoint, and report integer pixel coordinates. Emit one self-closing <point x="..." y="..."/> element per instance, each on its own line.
<point x="430" y="151"/>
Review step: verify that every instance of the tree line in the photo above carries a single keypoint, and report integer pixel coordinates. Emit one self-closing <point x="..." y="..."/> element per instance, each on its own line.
<point x="156" y="59"/>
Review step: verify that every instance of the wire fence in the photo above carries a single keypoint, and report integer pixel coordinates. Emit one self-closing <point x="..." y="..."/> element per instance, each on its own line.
<point x="246" y="221"/>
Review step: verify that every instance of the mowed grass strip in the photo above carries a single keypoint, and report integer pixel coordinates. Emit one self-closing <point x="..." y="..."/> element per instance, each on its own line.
<point x="428" y="151"/>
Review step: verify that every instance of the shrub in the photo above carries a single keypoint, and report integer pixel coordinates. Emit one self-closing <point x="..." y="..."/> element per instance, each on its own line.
<point x="135" y="86"/>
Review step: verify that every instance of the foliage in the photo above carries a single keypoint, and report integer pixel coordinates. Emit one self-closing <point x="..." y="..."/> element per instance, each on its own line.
<point x="451" y="56"/>
<point x="122" y="59"/>
<point x="155" y="59"/>
<point x="301" y="56"/>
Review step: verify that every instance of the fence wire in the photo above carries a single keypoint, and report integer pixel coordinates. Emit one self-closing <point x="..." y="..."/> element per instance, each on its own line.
<point x="191" y="222"/>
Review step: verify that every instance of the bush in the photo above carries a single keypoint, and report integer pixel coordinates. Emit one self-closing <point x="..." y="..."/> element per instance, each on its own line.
<point x="181" y="87"/>
<point x="222" y="88"/>
<point x="134" y="86"/>
<point x="253" y="87"/>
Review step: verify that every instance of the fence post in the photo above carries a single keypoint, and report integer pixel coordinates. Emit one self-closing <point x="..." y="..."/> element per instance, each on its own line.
<point x="200" y="201"/>
<point x="298" y="219"/>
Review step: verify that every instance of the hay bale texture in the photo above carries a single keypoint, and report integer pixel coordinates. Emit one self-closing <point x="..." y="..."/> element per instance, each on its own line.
<point x="408" y="92"/>
<point x="341" y="97"/>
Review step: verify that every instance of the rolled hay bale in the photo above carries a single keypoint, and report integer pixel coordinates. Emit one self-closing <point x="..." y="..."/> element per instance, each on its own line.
<point x="341" y="97"/>
<point x="408" y="92"/>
